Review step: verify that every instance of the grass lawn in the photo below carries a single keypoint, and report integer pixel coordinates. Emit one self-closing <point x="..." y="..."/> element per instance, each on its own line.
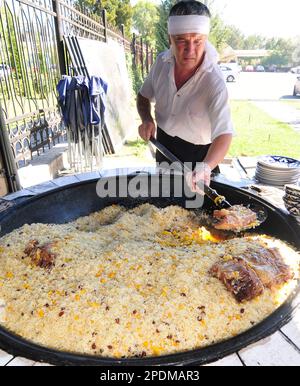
<point x="136" y="147"/>
<point x="258" y="133"/>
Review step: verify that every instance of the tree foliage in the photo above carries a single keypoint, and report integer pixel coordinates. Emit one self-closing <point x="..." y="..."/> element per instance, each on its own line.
<point x="124" y="15"/>
<point x="218" y="34"/>
<point x="145" y="17"/>
<point x="118" y="11"/>
<point x="151" y="23"/>
<point x="282" y="51"/>
<point x="162" y="40"/>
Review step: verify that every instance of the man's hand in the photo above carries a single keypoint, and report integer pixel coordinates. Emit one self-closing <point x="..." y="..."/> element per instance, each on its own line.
<point x="200" y="175"/>
<point x="147" y="129"/>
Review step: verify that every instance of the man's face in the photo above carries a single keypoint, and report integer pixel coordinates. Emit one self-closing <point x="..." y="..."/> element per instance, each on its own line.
<point x="188" y="49"/>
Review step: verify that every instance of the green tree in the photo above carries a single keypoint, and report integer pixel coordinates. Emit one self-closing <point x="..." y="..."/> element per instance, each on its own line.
<point x="235" y="38"/>
<point x="162" y="40"/>
<point x="218" y="33"/>
<point x="124" y="16"/>
<point x="145" y="18"/>
<point x="10" y="38"/>
<point x="118" y="11"/>
<point x="254" y="42"/>
<point x="282" y="51"/>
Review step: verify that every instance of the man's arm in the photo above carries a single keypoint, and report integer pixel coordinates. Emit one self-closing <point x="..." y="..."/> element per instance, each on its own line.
<point x="216" y="154"/>
<point x="147" y="128"/>
<point x="218" y="150"/>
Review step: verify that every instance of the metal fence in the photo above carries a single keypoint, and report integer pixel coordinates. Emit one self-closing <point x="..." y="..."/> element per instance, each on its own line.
<point x="32" y="59"/>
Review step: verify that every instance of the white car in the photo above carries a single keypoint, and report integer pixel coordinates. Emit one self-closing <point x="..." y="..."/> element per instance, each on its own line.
<point x="4" y="71"/>
<point x="260" y="68"/>
<point x="229" y="74"/>
<point x="297" y="87"/>
<point x="296" y="70"/>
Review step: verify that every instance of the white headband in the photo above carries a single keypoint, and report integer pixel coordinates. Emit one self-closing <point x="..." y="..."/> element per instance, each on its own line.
<point x="179" y="25"/>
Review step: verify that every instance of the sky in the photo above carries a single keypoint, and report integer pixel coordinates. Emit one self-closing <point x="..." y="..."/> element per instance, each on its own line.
<point x="270" y="18"/>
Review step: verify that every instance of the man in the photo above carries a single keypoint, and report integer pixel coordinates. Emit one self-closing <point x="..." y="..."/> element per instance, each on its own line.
<point x="191" y="110"/>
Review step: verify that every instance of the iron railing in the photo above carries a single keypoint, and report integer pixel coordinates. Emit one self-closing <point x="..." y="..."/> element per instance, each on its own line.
<point x="32" y="59"/>
<point x="28" y="53"/>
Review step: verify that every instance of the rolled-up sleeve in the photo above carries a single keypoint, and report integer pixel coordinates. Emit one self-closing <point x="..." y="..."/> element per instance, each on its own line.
<point x="147" y="89"/>
<point x="220" y="115"/>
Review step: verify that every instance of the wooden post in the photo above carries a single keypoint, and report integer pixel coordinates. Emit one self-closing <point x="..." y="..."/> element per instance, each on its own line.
<point x="123" y="33"/>
<point x="142" y="57"/>
<point x="59" y="37"/>
<point x="133" y="50"/>
<point x="104" y="21"/>
<point x="147" y="58"/>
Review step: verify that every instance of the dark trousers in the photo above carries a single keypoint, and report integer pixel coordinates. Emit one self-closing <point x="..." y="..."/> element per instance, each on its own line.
<point x="185" y="151"/>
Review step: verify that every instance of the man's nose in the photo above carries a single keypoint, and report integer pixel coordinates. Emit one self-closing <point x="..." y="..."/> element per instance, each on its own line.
<point x="190" y="47"/>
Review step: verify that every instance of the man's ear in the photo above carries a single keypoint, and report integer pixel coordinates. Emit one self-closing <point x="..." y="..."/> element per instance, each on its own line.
<point x="169" y="40"/>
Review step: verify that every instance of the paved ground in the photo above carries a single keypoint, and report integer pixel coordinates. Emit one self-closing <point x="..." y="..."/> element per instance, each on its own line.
<point x="268" y="91"/>
<point x="262" y="86"/>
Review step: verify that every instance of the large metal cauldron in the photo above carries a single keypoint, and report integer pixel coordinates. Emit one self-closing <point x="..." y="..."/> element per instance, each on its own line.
<point x="80" y="199"/>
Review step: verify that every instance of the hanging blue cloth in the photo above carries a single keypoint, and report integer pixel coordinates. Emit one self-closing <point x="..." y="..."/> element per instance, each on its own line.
<point x="62" y="88"/>
<point x="97" y="88"/>
<point x="82" y="101"/>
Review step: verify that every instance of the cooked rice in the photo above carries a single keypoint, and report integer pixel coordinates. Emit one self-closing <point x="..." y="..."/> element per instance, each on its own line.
<point x="129" y="283"/>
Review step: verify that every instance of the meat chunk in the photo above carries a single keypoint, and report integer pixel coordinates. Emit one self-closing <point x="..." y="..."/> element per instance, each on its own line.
<point x="239" y="279"/>
<point x="40" y="255"/>
<point x="235" y="218"/>
<point x="249" y="273"/>
<point x="268" y="265"/>
<point x="30" y="247"/>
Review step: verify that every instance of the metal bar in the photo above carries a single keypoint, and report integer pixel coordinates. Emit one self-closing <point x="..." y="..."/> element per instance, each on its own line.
<point x="34" y="5"/>
<point x="24" y="67"/>
<point x="80" y="14"/>
<point x="100" y="147"/>
<point x="106" y="135"/>
<point x="28" y="115"/>
<point x="123" y="34"/>
<point x="10" y="35"/>
<point x="38" y="64"/>
<point x="29" y="45"/>
<point x="79" y="56"/>
<point x="72" y="54"/>
<point x="142" y="57"/>
<point x="5" y="74"/>
<point x="81" y="27"/>
<point x="51" y="81"/>
<point x="147" y="58"/>
<point x="8" y="157"/>
<point x="53" y="72"/>
<point x="93" y="148"/>
<point x="134" y="50"/>
<point x="104" y="20"/>
<point x="59" y="36"/>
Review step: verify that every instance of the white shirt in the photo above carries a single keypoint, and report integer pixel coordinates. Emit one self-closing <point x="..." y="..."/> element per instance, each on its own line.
<point x="199" y="111"/>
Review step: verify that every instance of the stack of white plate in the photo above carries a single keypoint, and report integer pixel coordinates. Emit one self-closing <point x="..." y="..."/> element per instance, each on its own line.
<point x="292" y="199"/>
<point x="277" y="170"/>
